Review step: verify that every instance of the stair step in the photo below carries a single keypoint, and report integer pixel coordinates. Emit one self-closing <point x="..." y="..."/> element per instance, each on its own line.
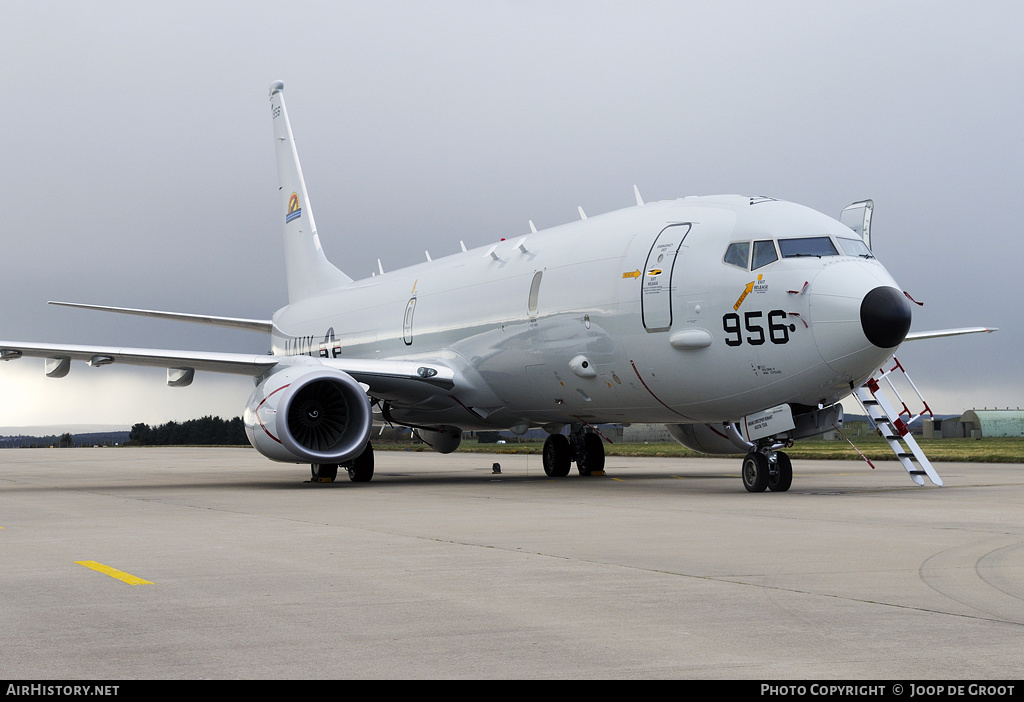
<point x="890" y="423"/>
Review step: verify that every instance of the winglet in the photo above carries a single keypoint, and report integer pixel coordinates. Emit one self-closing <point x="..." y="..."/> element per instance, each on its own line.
<point x="858" y="218"/>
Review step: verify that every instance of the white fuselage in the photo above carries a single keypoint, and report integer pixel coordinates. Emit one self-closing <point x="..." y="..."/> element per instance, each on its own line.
<point x="631" y="316"/>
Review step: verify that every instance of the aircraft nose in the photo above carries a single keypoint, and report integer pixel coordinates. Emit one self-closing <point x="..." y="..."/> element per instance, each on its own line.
<point x="858" y="315"/>
<point x="885" y="317"/>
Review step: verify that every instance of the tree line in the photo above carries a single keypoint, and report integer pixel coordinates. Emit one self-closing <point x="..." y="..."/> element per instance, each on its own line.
<point x="206" y="431"/>
<point x="215" y="431"/>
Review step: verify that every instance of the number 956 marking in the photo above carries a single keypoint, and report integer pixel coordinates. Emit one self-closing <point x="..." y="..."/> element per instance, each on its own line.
<point x="778" y="330"/>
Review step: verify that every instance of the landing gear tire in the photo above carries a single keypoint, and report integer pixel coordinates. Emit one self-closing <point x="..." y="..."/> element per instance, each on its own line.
<point x="323" y="472"/>
<point x="781" y="480"/>
<point x="591" y="460"/>
<point x="361" y="470"/>
<point x="556" y="456"/>
<point x="755" y="472"/>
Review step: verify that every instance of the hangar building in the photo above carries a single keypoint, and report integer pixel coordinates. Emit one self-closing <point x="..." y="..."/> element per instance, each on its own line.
<point x="994" y="422"/>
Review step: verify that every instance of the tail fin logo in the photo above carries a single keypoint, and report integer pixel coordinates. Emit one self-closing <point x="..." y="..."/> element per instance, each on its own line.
<point x="294" y="211"/>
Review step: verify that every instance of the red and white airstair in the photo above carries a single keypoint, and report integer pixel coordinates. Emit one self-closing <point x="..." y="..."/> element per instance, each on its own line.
<point x="894" y="425"/>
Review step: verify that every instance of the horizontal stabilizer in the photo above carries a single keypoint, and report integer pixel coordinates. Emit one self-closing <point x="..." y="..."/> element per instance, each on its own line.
<point x="255" y="325"/>
<point x="914" y="336"/>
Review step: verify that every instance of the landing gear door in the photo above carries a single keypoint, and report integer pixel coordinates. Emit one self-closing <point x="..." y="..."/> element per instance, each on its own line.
<point x="656" y="291"/>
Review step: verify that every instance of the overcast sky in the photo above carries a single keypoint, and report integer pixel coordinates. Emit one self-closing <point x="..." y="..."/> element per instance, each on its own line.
<point x="138" y="164"/>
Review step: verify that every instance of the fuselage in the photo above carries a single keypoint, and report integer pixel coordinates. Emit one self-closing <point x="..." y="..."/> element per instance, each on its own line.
<point x="694" y="310"/>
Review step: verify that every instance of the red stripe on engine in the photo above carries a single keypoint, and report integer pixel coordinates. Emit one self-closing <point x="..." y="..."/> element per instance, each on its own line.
<point x="262" y="425"/>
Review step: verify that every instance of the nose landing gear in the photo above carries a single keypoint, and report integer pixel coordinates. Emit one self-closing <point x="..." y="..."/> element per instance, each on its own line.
<point x="766" y="468"/>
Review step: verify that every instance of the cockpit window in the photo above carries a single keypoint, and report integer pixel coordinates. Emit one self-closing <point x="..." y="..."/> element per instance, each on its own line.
<point x="855" y="247"/>
<point x="764" y="253"/>
<point x="738" y="254"/>
<point x="814" y="246"/>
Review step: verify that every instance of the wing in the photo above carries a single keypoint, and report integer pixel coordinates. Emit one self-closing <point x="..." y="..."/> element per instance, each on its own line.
<point x="256" y="325"/>
<point x="408" y="380"/>
<point x="404" y="381"/>
<point x="236" y="363"/>
<point x="914" y="336"/>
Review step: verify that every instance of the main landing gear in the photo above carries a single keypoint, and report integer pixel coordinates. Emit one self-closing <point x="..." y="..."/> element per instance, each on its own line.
<point x="767" y="469"/>
<point x="582" y="446"/>
<point x="360" y="469"/>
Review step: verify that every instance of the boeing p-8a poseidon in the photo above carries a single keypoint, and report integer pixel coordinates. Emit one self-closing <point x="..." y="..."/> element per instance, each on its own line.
<point x="740" y="322"/>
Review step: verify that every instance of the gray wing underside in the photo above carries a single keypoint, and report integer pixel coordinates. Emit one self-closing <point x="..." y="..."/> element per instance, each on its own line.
<point x="234" y="363"/>
<point x="396" y="379"/>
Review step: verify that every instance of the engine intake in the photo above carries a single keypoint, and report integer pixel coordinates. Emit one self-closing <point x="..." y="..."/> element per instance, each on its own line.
<point x="309" y="414"/>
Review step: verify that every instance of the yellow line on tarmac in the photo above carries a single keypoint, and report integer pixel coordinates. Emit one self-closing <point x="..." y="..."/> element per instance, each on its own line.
<point x="114" y="573"/>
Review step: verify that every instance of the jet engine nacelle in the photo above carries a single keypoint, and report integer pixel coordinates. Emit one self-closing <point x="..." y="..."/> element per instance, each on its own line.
<point x="444" y="439"/>
<point x="309" y="414"/>
<point x="709" y="438"/>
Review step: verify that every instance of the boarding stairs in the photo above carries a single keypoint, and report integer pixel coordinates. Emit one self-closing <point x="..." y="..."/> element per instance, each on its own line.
<point x="893" y="424"/>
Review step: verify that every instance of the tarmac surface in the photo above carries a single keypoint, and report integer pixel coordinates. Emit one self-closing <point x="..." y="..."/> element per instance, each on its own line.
<point x="665" y="568"/>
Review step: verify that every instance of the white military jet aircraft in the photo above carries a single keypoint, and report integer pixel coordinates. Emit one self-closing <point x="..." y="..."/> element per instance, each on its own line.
<point x="740" y="322"/>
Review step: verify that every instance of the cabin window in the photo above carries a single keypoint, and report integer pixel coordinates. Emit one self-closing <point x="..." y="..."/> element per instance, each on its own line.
<point x="764" y="253"/>
<point x="814" y="246"/>
<point x="738" y="254"/>
<point x="535" y="291"/>
<point x="855" y="247"/>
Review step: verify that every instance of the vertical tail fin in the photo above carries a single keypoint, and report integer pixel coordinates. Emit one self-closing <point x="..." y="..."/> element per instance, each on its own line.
<point x="308" y="270"/>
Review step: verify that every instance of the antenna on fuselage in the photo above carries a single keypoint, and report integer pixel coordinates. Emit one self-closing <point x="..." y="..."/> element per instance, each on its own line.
<point x="639" y="200"/>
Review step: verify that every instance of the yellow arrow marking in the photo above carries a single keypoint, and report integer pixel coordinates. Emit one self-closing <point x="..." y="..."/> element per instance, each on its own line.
<point x="749" y="289"/>
<point x="632" y="274"/>
<point x="114" y="573"/>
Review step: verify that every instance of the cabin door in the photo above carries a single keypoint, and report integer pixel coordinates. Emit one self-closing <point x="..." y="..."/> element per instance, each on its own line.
<point x="657" y="275"/>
